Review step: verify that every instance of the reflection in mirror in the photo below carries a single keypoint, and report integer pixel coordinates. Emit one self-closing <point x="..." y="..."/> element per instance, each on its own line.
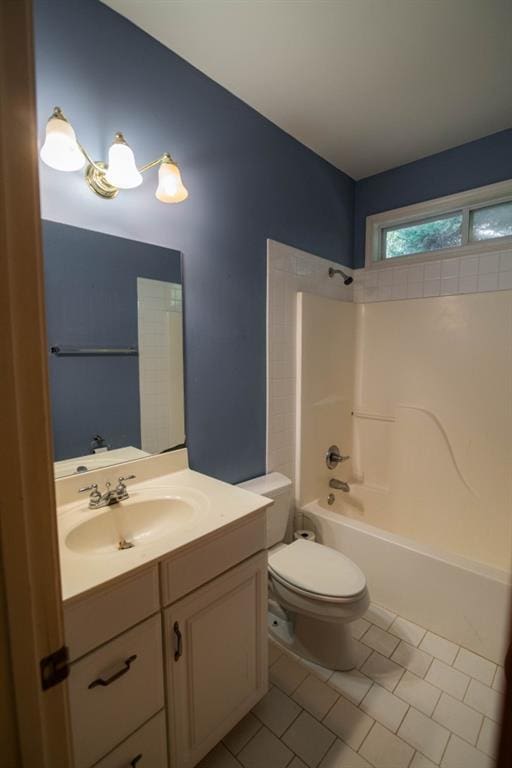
<point x="115" y="336"/>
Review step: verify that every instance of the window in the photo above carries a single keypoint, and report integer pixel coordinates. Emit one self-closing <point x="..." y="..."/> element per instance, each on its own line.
<point x="491" y="222"/>
<point x="422" y="236"/>
<point x="472" y="221"/>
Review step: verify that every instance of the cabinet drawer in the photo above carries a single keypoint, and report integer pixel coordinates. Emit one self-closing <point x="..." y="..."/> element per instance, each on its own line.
<point x="146" y="748"/>
<point x="193" y="567"/>
<point x="91" y="621"/>
<point x="114" y="689"/>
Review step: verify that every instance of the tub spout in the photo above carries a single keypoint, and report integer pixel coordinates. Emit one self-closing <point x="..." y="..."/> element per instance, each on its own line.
<point x="339" y="485"/>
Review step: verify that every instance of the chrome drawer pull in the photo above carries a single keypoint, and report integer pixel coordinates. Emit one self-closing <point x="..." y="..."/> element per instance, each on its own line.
<point x="135" y="761"/>
<point x="116" y="676"/>
<point x="179" y="641"/>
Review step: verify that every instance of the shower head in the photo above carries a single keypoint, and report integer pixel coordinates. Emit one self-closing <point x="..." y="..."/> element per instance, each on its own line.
<point x="346" y="278"/>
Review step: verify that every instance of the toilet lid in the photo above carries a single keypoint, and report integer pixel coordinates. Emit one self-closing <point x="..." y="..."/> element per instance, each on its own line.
<point x="318" y="569"/>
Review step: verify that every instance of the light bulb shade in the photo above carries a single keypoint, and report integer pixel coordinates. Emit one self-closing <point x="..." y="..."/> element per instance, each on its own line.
<point x="122" y="171"/>
<point x="60" y="149"/>
<point x="170" y="186"/>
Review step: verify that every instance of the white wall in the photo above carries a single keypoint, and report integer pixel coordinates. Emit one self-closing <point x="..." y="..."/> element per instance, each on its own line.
<point x="325" y="387"/>
<point x="440" y="370"/>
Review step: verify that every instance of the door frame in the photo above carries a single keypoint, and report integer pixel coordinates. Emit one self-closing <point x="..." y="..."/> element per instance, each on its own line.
<point x="28" y="523"/>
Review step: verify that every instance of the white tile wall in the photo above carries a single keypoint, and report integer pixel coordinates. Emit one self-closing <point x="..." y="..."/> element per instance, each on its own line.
<point x="449" y="276"/>
<point x="160" y="378"/>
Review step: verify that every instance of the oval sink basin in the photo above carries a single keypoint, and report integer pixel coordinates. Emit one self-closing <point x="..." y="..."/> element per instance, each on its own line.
<point x="138" y="521"/>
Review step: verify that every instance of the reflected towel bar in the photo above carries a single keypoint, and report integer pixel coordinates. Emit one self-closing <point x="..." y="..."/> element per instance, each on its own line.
<point x="93" y="351"/>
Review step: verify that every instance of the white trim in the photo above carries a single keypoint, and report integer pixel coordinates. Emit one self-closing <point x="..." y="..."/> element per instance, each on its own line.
<point x="481" y="196"/>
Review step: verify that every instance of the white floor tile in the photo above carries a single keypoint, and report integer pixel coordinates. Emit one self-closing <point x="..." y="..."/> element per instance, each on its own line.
<point x="321" y="672"/>
<point x="361" y="652"/>
<point x="380" y="616"/>
<point x="489" y="736"/>
<point x="382" y="670"/>
<point x="458" y="717"/>
<point x="384" y="707"/>
<point x="412" y="659"/>
<point x="448" y="679"/>
<point x="315" y="696"/>
<point x="459" y="754"/>
<point x="385" y="750"/>
<point x="380" y="640"/>
<point x="418" y="693"/>
<point x="358" y="628"/>
<point x="287" y="673"/>
<point x="219" y="757"/>
<point x="499" y="680"/>
<point x="242" y="733"/>
<point x="353" y="685"/>
<point x="484" y="699"/>
<point x="309" y="739"/>
<point x="407" y="631"/>
<point x="348" y="722"/>
<point x="421" y="732"/>
<point x="420" y="761"/>
<point x="341" y="756"/>
<point x="276" y="710"/>
<point x="440" y="648"/>
<point x="475" y="666"/>
<point x="297" y="763"/>
<point x="264" y="750"/>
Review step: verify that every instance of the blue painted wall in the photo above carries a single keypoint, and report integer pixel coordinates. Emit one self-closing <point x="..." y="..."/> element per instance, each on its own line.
<point x="475" y="164"/>
<point x="91" y="301"/>
<point x="248" y="181"/>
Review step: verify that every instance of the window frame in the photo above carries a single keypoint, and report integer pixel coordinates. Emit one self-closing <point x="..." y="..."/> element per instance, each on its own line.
<point x="463" y="202"/>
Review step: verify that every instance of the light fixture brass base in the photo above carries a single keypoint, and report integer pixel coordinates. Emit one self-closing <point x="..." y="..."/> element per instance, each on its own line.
<point x="97" y="182"/>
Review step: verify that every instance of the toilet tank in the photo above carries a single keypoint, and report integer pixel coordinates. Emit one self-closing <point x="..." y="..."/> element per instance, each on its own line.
<point x="279" y="488"/>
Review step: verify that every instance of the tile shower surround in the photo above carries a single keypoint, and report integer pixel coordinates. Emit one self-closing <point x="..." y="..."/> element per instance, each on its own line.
<point x="290" y="271"/>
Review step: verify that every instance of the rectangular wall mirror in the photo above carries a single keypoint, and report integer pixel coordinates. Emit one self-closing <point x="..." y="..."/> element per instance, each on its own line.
<point x="115" y="345"/>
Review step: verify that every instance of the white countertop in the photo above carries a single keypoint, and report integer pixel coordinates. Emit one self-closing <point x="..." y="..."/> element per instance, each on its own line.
<point x="222" y="505"/>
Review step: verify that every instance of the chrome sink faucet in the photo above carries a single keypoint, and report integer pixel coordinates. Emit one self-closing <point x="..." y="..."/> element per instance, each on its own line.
<point x="109" y="497"/>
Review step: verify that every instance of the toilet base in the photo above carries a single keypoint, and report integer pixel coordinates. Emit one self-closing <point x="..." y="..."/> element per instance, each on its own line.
<point x="326" y="643"/>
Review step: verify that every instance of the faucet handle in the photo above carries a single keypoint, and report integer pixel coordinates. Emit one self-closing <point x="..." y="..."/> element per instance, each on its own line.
<point x="333" y="457"/>
<point x="121" y="491"/>
<point x="93" y="488"/>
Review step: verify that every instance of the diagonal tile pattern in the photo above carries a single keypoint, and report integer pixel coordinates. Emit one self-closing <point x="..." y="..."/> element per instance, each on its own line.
<point x="431" y="704"/>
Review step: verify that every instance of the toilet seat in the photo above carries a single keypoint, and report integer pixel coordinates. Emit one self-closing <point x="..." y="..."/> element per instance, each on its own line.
<point x="317" y="572"/>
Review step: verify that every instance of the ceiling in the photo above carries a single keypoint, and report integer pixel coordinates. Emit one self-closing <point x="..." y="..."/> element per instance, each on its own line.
<point x="367" y="84"/>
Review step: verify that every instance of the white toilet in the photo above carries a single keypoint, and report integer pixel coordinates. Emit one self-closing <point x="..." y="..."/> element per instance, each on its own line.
<point x="319" y="590"/>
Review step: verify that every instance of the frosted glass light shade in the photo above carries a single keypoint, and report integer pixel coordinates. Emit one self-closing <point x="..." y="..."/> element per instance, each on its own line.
<point x="60" y="149"/>
<point x="170" y="186"/>
<point x="122" y="171"/>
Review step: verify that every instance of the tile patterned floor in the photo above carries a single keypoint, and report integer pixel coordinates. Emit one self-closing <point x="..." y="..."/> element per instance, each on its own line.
<point x="415" y="701"/>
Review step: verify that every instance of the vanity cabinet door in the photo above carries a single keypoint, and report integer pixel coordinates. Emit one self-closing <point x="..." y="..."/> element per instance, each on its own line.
<point x="216" y="654"/>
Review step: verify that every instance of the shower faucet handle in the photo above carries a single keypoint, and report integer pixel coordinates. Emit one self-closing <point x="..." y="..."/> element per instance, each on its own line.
<point x="333" y="457"/>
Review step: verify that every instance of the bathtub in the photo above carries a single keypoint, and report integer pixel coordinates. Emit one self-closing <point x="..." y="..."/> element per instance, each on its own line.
<point x="462" y="600"/>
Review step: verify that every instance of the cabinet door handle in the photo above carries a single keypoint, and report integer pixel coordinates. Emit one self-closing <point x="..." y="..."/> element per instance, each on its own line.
<point x="135" y="760"/>
<point x="179" y="641"/>
<point x="100" y="681"/>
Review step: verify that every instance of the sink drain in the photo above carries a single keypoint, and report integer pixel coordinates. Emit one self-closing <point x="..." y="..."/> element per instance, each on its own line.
<point x="123" y="544"/>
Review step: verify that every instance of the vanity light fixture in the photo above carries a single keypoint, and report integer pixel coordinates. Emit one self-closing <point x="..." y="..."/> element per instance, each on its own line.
<point x="63" y="152"/>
